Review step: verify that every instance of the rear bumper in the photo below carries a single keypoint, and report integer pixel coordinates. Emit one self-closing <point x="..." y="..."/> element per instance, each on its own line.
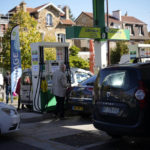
<point x="86" y="105"/>
<point x="137" y="129"/>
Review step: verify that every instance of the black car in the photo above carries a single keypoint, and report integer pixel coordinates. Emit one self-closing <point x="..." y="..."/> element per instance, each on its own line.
<point x="80" y="98"/>
<point x="122" y="100"/>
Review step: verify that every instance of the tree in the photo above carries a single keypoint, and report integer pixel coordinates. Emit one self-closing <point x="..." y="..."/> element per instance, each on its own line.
<point x="49" y="53"/>
<point x="71" y="15"/>
<point x="116" y="53"/>
<point x="76" y="61"/>
<point x="28" y="34"/>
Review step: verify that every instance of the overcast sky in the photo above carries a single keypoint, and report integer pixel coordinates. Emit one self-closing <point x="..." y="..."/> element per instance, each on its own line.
<point x="137" y="8"/>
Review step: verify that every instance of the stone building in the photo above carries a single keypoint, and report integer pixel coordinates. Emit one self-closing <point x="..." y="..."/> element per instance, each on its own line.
<point x="52" y="20"/>
<point x="138" y="29"/>
<point x="3" y="27"/>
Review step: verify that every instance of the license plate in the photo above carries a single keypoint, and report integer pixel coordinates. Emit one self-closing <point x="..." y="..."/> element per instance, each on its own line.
<point x="110" y="110"/>
<point x="79" y="108"/>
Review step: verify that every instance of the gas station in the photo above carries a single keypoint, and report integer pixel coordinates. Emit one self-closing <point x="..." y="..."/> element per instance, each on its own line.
<point x="42" y="73"/>
<point x="42" y="70"/>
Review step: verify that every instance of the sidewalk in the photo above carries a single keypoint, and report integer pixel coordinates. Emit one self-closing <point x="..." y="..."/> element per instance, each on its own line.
<point x="28" y="116"/>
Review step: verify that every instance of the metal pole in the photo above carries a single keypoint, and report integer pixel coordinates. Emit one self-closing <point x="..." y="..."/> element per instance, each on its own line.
<point x="108" y="54"/>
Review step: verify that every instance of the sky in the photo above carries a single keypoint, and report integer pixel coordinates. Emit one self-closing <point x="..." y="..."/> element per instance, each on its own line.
<point x="137" y="8"/>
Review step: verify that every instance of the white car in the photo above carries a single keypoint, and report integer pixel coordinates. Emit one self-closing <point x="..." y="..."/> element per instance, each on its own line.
<point x="9" y="118"/>
<point x="78" y="75"/>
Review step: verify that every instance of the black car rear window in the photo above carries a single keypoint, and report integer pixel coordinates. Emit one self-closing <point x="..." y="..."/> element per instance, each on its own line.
<point x="123" y="79"/>
<point x="90" y="81"/>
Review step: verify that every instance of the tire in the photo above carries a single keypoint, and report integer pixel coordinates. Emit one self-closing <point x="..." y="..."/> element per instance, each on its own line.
<point x="29" y="106"/>
<point x="114" y="135"/>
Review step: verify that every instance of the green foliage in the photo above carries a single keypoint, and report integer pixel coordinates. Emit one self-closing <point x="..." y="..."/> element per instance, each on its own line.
<point x="116" y="53"/>
<point x="28" y="34"/>
<point x="71" y="15"/>
<point x="76" y="61"/>
<point x="49" y="53"/>
<point x="115" y="57"/>
<point x="74" y="50"/>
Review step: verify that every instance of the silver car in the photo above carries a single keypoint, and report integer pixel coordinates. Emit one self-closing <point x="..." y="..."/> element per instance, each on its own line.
<point x="9" y="118"/>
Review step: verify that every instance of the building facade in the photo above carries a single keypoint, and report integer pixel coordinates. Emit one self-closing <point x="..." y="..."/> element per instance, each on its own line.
<point x="52" y="20"/>
<point x="138" y="29"/>
<point x="3" y="27"/>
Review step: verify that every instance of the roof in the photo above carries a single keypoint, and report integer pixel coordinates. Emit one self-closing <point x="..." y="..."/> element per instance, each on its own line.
<point x="39" y="8"/>
<point x="67" y="22"/>
<point x="127" y="19"/>
<point x="131" y="19"/>
<point x="128" y="65"/>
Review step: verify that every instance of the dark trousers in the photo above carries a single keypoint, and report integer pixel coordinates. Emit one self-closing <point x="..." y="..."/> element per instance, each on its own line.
<point x="60" y="106"/>
<point x="8" y="92"/>
<point x="19" y="102"/>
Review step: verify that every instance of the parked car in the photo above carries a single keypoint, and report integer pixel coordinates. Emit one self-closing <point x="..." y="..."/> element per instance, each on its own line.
<point x="26" y="88"/>
<point x="78" y="75"/>
<point x="80" y="98"/>
<point x="122" y="100"/>
<point x="9" y="118"/>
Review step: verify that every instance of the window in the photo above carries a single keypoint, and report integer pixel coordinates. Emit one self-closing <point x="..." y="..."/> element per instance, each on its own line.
<point x="90" y="81"/>
<point x="81" y="76"/>
<point x="122" y="79"/>
<point x="61" y="38"/>
<point x="49" y="21"/>
<point x="26" y="78"/>
<point x="130" y="28"/>
<point x="140" y="30"/>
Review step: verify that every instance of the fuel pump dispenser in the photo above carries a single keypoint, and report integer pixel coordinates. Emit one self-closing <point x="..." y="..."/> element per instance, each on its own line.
<point x="42" y="72"/>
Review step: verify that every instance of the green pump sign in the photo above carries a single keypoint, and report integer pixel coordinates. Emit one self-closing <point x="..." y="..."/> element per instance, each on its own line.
<point x="118" y="34"/>
<point x="99" y="30"/>
<point x="83" y="32"/>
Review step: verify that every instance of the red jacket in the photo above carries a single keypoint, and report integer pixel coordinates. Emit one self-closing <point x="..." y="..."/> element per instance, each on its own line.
<point x="18" y="86"/>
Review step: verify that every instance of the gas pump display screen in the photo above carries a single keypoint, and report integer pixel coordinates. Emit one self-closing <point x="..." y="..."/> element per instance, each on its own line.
<point x="55" y="66"/>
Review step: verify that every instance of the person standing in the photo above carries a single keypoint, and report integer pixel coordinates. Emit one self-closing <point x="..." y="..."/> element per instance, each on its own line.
<point x="59" y="86"/>
<point x="18" y="93"/>
<point x="7" y="82"/>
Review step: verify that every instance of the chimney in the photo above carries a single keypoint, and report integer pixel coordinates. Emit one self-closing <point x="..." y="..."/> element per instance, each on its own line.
<point x="23" y="6"/>
<point x="117" y="14"/>
<point x="66" y="10"/>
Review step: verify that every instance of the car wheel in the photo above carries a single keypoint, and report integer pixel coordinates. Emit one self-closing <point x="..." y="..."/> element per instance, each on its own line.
<point x="29" y="107"/>
<point x="85" y="115"/>
<point x="114" y="135"/>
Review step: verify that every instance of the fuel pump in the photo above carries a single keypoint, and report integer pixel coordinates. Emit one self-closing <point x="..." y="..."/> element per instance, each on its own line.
<point x="42" y="72"/>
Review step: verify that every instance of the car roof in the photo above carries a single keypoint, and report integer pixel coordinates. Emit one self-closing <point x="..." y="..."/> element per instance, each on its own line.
<point x="81" y="70"/>
<point x="130" y="65"/>
<point x="88" y="79"/>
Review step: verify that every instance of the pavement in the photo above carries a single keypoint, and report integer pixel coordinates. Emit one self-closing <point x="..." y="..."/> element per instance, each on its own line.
<point x="30" y="116"/>
<point x="42" y="131"/>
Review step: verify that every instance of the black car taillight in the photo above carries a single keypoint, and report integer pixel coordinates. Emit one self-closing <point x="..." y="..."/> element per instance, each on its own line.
<point x="140" y="94"/>
<point x="90" y="89"/>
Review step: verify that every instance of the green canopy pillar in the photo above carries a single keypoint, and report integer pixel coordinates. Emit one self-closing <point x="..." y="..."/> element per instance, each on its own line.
<point x="99" y="14"/>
